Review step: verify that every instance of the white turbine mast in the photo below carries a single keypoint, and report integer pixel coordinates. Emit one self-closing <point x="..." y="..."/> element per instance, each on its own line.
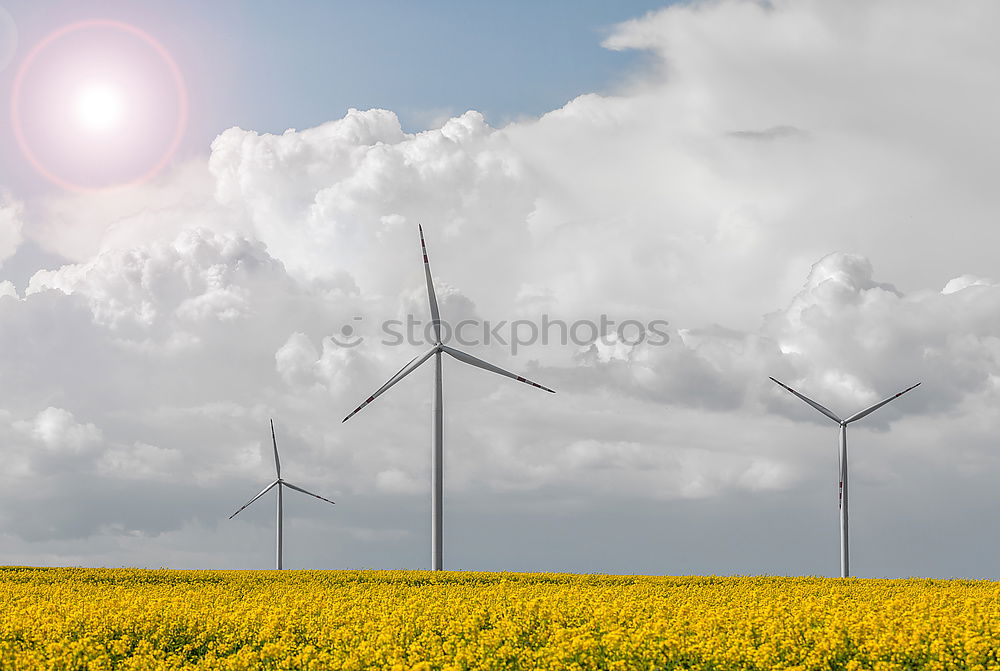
<point x="437" y="433"/>
<point x="279" y="483"/>
<point x="845" y="570"/>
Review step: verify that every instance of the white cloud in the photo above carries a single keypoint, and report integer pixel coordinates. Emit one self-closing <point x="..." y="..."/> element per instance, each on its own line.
<point x="140" y="461"/>
<point x="396" y="481"/>
<point x="56" y="430"/>
<point x="296" y="359"/>
<point x="11" y="223"/>
<point x="964" y="282"/>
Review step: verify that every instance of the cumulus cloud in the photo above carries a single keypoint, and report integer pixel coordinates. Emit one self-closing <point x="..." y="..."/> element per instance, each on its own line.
<point x="851" y="339"/>
<point x="710" y="193"/>
<point x="324" y="199"/>
<point x="11" y="223"/>
<point x="56" y="430"/>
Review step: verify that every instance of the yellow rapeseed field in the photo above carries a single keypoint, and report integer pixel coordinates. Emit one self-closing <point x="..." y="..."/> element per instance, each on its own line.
<point x="141" y="619"/>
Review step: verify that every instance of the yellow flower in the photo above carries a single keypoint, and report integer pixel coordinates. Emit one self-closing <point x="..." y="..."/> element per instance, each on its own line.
<point x="131" y="619"/>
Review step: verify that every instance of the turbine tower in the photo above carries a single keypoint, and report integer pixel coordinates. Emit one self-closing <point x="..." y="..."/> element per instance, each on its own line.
<point x="437" y="432"/>
<point x="279" y="483"/>
<point x="845" y="570"/>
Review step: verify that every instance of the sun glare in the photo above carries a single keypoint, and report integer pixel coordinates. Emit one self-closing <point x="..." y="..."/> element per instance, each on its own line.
<point x="98" y="104"/>
<point x="100" y="108"/>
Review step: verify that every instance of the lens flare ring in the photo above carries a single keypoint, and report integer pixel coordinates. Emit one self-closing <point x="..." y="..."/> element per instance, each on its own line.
<point x="38" y="49"/>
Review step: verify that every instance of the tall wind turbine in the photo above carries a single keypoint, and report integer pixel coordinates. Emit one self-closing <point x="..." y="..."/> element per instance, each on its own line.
<point x="279" y="483"/>
<point x="437" y="433"/>
<point x="845" y="570"/>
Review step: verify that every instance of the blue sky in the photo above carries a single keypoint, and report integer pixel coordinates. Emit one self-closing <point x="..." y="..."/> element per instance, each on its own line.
<point x="271" y="66"/>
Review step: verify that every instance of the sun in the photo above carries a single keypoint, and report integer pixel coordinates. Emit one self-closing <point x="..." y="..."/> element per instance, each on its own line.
<point x="99" y="107"/>
<point x="98" y="104"/>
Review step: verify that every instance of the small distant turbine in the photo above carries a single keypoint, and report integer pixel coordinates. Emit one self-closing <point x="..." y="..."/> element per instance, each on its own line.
<point x="279" y="483"/>
<point x="437" y="439"/>
<point x="845" y="570"/>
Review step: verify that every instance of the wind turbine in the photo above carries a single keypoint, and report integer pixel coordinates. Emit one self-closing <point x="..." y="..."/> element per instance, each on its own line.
<point x="279" y="483"/>
<point x="437" y="433"/>
<point x="845" y="570"/>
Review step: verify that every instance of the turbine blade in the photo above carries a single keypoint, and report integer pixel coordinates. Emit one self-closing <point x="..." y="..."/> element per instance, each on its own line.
<point x="431" y="296"/>
<point x="262" y="492"/>
<point x="403" y="372"/>
<point x="870" y="410"/>
<point x="274" y="442"/>
<point x="811" y="402"/>
<point x="299" y="489"/>
<point x="479" y="363"/>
